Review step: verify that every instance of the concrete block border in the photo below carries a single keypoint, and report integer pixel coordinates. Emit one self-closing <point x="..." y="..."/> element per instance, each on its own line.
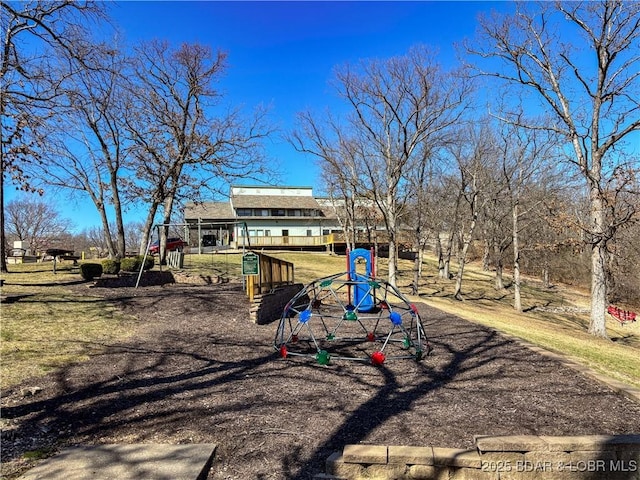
<point x="516" y="457"/>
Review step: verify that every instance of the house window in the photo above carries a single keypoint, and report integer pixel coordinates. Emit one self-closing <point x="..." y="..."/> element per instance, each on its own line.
<point x="244" y="212"/>
<point x="309" y="233"/>
<point x="325" y="231"/>
<point x="267" y="233"/>
<point x="278" y="212"/>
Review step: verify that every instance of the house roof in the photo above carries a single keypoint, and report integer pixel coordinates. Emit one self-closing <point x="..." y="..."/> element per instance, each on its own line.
<point x="223" y="211"/>
<point x="275" y="201"/>
<point x="209" y="210"/>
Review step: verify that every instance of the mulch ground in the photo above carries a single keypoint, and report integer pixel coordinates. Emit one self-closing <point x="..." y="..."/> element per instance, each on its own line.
<point x="198" y="371"/>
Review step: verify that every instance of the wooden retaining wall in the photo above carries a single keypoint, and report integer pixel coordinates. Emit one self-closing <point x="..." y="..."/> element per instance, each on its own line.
<point x="273" y="273"/>
<point x="267" y="307"/>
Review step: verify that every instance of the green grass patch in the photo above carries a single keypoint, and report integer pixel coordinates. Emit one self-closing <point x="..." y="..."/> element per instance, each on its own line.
<point x="38" y="454"/>
<point x="226" y="264"/>
<point x="46" y="325"/>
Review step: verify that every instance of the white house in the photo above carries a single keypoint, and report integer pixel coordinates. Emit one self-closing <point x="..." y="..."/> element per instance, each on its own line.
<point x="263" y="216"/>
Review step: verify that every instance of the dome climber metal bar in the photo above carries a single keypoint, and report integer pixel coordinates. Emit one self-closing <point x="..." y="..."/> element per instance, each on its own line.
<point x="351" y="316"/>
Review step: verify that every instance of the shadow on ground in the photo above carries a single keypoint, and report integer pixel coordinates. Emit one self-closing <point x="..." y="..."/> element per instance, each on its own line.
<point x="198" y="371"/>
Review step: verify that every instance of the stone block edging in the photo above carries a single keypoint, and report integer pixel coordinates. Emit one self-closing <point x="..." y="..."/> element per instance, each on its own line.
<point x="514" y="457"/>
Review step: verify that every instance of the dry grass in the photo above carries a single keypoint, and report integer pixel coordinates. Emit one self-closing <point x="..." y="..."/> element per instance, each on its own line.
<point x="308" y="265"/>
<point x="227" y="264"/>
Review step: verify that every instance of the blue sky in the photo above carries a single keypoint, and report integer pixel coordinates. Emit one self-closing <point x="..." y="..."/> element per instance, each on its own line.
<point x="282" y="54"/>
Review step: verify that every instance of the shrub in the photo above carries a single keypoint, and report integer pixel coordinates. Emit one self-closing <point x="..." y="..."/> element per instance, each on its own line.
<point x="149" y="263"/>
<point x="132" y="264"/>
<point x="89" y="271"/>
<point x="110" y="267"/>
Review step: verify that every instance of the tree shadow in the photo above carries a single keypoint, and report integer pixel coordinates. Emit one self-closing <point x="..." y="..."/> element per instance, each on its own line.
<point x="63" y="283"/>
<point x="85" y="408"/>
<point x="394" y="398"/>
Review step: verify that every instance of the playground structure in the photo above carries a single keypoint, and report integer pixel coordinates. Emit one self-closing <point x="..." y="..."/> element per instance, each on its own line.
<point x="351" y="316"/>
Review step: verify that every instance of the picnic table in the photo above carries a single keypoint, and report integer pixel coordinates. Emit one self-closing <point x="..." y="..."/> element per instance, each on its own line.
<point x="61" y="254"/>
<point x="622" y="316"/>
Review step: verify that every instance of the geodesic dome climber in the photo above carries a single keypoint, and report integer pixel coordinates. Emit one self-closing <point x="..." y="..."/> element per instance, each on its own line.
<point x="351" y="316"/>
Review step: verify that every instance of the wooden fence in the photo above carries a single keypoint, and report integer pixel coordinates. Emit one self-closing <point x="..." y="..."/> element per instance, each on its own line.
<point x="273" y="273"/>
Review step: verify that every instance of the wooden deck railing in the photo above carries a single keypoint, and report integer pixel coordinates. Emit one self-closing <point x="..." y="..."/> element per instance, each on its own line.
<point x="293" y="241"/>
<point x="289" y="241"/>
<point x="380" y="237"/>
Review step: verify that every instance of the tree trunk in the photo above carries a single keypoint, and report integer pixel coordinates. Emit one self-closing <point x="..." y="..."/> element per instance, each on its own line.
<point x="486" y="255"/>
<point x="462" y="256"/>
<point x="466" y="241"/>
<point x="446" y="271"/>
<point x="499" y="279"/>
<point x="597" y="325"/>
<point x="546" y="275"/>
<point x="107" y="231"/>
<point x="439" y="255"/>
<point x="393" y="255"/>
<point x="121" y="247"/>
<point x="416" y="274"/>
<point x="391" y="222"/>
<point x="417" y="262"/>
<point x="146" y="229"/>
<point x="3" y="240"/>
<point x="517" y="300"/>
<point x="167" y="207"/>
<point x="461" y="264"/>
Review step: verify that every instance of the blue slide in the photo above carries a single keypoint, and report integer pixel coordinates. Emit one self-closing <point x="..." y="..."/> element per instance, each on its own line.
<point x="362" y="292"/>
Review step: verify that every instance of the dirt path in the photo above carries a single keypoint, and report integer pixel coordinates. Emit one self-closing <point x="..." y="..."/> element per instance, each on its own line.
<point x="199" y="371"/>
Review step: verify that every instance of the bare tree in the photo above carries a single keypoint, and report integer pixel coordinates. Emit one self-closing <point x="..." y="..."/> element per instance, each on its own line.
<point x="623" y="201"/>
<point x="86" y="144"/>
<point x="446" y="219"/>
<point x="338" y="158"/>
<point x="97" y="241"/>
<point x="398" y="105"/>
<point x="35" y="222"/>
<point x="594" y="104"/>
<point x="133" y="232"/>
<point x="528" y="160"/>
<point x="420" y="217"/>
<point x="184" y="141"/>
<point x="27" y="89"/>
<point x="474" y="154"/>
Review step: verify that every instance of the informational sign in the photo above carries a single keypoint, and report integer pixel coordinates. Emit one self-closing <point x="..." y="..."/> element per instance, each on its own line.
<point x="250" y="264"/>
